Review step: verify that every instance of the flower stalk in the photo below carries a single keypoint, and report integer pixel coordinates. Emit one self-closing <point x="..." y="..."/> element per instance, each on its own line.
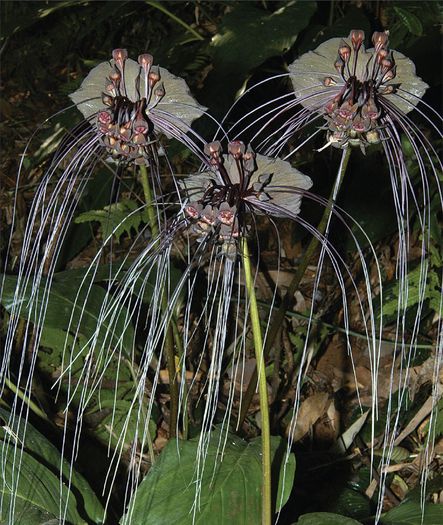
<point x="169" y="341"/>
<point x="263" y="392"/>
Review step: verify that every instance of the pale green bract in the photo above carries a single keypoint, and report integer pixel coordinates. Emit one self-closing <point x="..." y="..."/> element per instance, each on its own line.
<point x="177" y="101"/>
<point x="309" y="70"/>
<point x="284" y="179"/>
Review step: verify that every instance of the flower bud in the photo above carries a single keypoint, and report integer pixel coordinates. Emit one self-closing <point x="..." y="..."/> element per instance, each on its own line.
<point x="119" y="56"/>
<point x="236" y="149"/>
<point x="344" y="52"/>
<point x="357" y="37"/>
<point x="380" y="40"/>
<point x="213" y="149"/>
<point x="146" y="60"/>
<point x="153" y="78"/>
<point x="329" y="81"/>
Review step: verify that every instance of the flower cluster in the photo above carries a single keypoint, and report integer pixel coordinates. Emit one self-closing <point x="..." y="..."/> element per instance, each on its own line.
<point x="139" y="101"/>
<point x="354" y="87"/>
<point x="236" y="183"/>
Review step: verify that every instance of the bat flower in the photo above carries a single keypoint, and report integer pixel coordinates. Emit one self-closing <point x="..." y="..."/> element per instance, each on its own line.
<point x="130" y="103"/>
<point x="239" y="182"/>
<point x="356" y="89"/>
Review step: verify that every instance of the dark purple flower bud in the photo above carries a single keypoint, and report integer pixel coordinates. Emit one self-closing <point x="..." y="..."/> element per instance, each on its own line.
<point x="329" y="81"/>
<point x="145" y="60"/>
<point x="344" y="52"/>
<point x="357" y="36"/>
<point x="236" y="148"/>
<point x="120" y="55"/>
<point x="380" y="40"/>
<point x="193" y="210"/>
<point x="213" y="149"/>
<point x="153" y="78"/>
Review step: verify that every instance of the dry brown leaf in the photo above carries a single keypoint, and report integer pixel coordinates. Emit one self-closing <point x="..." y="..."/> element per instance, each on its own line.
<point x="310" y="411"/>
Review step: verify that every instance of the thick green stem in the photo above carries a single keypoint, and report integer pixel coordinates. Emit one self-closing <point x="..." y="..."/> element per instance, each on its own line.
<point x="263" y="392"/>
<point x="295" y="283"/>
<point x="169" y="339"/>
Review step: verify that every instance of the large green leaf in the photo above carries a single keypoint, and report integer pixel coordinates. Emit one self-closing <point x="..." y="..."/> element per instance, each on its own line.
<point x="247" y="37"/>
<point x="325" y="518"/>
<point x="37" y="493"/>
<point x="144" y="287"/>
<point x="230" y="484"/>
<point x="39" y="473"/>
<point x="351" y="503"/>
<point x="71" y="308"/>
<point x="411" y="513"/>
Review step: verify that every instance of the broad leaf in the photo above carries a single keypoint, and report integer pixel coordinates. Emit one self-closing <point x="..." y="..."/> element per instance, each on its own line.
<point x="144" y="288"/>
<point x="409" y="20"/>
<point x="117" y="219"/>
<point x="325" y="518"/>
<point x="411" y="513"/>
<point x="247" y="37"/>
<point x="33" y="476"/>
<point x="230" y="484"/>
<point x="70" y="308"/>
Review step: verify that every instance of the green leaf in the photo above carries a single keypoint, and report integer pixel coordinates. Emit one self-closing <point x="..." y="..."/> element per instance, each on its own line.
<point x="437" y="421"/>
<point x="36" y="486"/>
<point x="351" y="503"/>
<point x="247" y="37"/>
<point x="144" y="287"/>
<point x="325" y="518"/>
<point x="409" y="20"/>
<point x="117" y="219"/>
<point x="316" y="34"/>
<point x="96" y="194"/>
<point x="37" y="489"/>
<point x="410" y="513"/>
<point x="123" y="421"/>
<point x="432" y="292"/>
<point x="230" y="484"/>
<point x="71" y="308"/>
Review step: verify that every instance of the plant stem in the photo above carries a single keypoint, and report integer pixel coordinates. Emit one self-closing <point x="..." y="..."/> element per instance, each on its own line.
<point x="26" y="399"/>
<point x="263" y="392"/>
<point x="162" y="8"/>
<point x="149" y="200"/>
<point x="295" y="283"/>
<point x="169" y="339"/>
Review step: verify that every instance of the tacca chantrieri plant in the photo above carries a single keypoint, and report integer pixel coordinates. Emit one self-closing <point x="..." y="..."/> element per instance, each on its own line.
<point x="348" y="96"/>
<point x="361" y="96"/>
<point x="128" y="107"/>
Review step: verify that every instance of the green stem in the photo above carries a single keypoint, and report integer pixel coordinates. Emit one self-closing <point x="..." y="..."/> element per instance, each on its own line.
<point x="262" y="388"/>
<point x="169" y="339"/>
<point x="295" y="283"/>
<point x="162" y="8"/>
<point x="26" y="399"/>
<point x="149" y="200"/>
<point x="180" y="352"/>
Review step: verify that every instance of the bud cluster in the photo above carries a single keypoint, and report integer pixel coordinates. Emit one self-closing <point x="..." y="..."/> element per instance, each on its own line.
<point x="220" y="209"/>
<point x="126" y="129"/>
<point x="353" y="114"/>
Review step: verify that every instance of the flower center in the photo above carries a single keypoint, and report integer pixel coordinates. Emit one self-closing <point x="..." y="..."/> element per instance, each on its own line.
<point x="220" y="210"/>
<point x="127" y="132"/>
<point x="354" y="114"/>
